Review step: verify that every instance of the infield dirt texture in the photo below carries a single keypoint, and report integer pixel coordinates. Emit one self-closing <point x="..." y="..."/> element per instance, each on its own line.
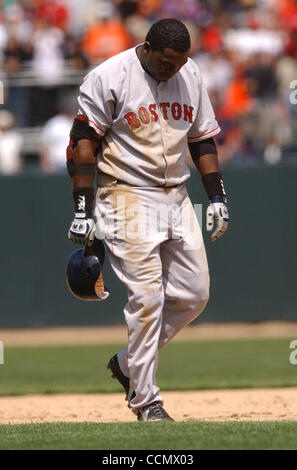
<point x="205" y="405"/>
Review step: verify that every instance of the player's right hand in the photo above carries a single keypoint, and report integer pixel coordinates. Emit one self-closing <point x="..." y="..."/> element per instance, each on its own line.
<point x="82" y="228"/>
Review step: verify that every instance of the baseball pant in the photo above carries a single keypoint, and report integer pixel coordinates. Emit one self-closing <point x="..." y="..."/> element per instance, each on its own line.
<point x="155" y="247"/>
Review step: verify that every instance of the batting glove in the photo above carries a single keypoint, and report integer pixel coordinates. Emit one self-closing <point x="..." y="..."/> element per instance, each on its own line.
<point x="217" y="212"/>
<point x="82" y="228"/>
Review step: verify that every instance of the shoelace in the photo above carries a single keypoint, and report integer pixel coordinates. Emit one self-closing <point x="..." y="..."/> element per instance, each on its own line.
<point x="157" y="409"/>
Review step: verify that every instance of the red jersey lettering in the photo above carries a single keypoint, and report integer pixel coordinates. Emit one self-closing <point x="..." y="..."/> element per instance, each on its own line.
<point x="133" y="120"/>
<point x="152" y="108"/>
<point x="188" y="113"/>
<point x="144" y="115"/>
<point x="164" y="107"/>
<point x="176" y="111"/>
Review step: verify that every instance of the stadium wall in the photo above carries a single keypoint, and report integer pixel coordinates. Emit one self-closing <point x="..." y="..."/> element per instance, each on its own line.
<point x="253" y="267"/>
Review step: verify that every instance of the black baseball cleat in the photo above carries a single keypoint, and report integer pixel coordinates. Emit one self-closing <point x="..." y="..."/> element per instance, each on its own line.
<point x="153" y="412"/>
<point x="113" y="365"/>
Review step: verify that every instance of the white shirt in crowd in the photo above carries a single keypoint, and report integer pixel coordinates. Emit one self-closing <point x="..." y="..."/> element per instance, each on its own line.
<point x="48" y="57"/>
<point x="10" y="152"/>
<point x="54" y="141"/>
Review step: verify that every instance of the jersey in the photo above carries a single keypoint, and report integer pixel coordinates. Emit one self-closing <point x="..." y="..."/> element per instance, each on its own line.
<point x="145" y="124"/>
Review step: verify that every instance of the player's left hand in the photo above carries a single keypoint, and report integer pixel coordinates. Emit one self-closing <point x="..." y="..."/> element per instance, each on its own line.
<point x="217" y="213"/>
<point x="82" y="229"/>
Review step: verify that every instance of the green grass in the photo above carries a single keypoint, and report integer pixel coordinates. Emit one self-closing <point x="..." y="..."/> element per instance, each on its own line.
<point x="182" y="366"/>
<point x="270" y="435"/>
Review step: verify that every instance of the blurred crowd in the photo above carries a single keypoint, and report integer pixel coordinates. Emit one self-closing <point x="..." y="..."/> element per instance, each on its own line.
<point x="246" y="50"/>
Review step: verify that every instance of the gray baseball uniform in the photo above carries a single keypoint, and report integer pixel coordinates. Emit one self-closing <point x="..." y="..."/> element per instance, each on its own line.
<point x="143" y="211"/>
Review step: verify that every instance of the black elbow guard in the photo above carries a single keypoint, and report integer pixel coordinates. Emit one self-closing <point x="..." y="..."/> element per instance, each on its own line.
<point x="198" y="149"/>
<point x="73" y="168"/>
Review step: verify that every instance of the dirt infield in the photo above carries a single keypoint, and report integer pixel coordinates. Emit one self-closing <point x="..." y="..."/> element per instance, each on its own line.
<point x="118" y="334"/>
<point x="206" y="405"/>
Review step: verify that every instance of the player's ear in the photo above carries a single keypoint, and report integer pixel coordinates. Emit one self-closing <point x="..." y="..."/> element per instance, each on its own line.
<point x="147" y="48"/>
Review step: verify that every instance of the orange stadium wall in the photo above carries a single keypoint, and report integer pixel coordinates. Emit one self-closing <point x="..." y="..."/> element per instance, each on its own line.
<point x="253" y="267"/>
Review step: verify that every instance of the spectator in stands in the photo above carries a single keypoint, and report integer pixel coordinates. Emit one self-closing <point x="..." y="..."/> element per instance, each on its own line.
<point x="10" y="145"/>
<point x="137" y="27"/>
<point x="48" y="57"/>
<point x="269" y="123"/>
<point x="181" y="9"/>
<point x="126" y="8"/>
<point x="48" y="63"/>
<point x="107" y="37"/>
<point x="17" y="25"/>
<point x="236" y="104"/>
<point x="149" y="9"/>
<point x="56" y="13"/>
<point x="16" y="99"/>
<point x="77" y="59"/>
<point x="55" y="138"/>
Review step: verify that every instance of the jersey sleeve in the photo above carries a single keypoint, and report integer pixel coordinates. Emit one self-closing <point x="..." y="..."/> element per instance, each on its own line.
<point x="205" y="124"/>
<point x="96" y="102"/>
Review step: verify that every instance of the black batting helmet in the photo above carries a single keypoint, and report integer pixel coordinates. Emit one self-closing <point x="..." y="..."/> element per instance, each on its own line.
<point x="84" y="272"/>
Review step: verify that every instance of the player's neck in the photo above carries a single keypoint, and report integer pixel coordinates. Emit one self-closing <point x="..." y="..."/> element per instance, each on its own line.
<point x="143" y="60"/>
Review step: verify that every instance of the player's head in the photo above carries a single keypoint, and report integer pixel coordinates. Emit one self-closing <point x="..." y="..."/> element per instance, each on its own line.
<point x="167" y="46"/>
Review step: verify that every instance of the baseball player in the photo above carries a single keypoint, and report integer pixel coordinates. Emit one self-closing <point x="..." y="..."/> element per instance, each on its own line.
<point x="137" y="113"/>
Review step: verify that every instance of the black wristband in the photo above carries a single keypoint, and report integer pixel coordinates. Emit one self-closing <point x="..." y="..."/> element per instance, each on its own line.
<point x="83" y="199"/>
<point x="213" y="184"/>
